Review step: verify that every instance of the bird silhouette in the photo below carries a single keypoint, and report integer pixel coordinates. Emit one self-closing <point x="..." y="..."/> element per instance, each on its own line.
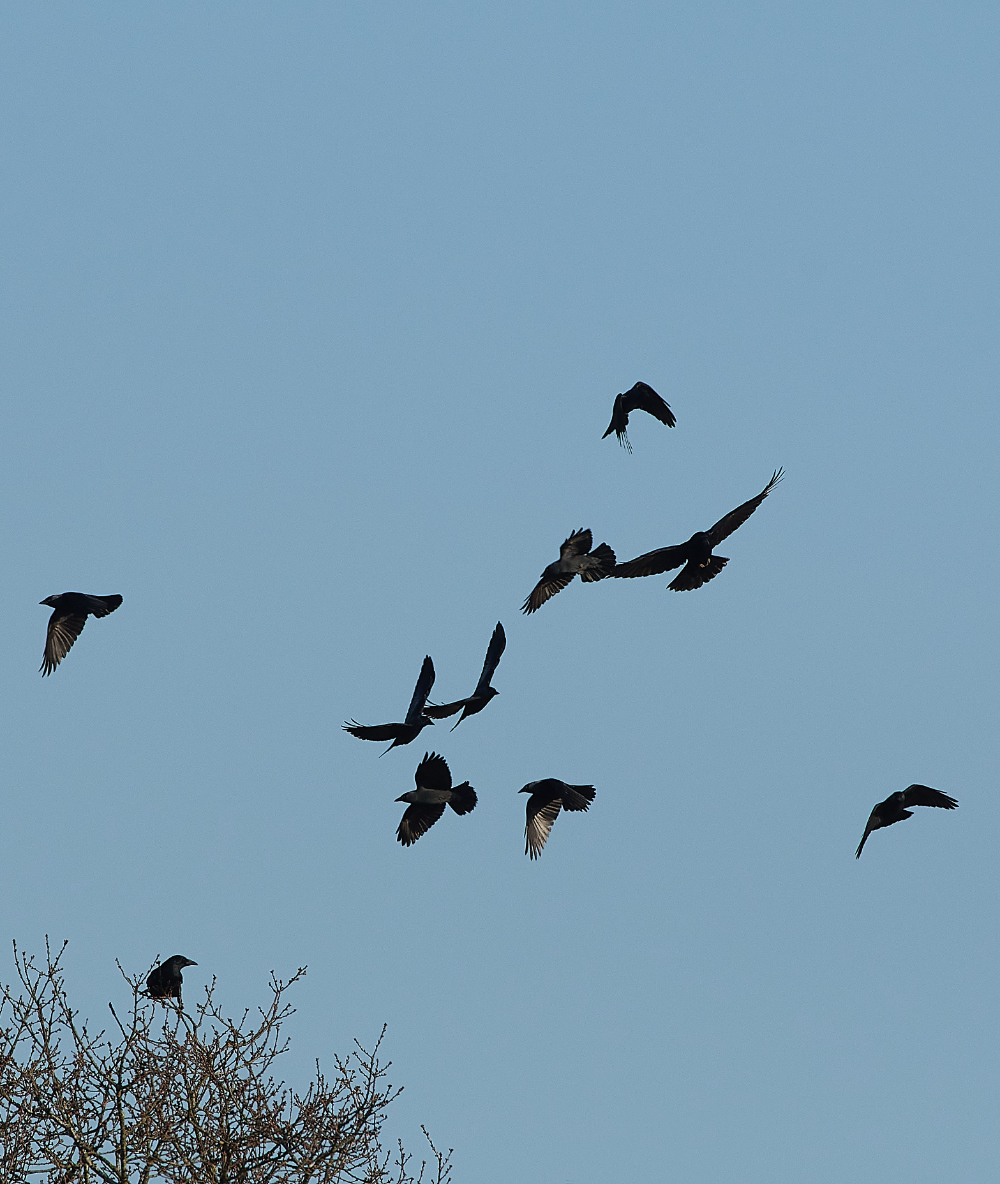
<point x="894" y="808"/>
<point x="415" y="720"/>
<point x="699" y="564"/>
<point x="483" y="692"/>
<point x="164" y="982"/>
<point x="575" y="558"/>
<point x="547" y="798"/>
<point x="70" y="612"/>
<point x="427" y="802"/>
<point x="641" y="397"/>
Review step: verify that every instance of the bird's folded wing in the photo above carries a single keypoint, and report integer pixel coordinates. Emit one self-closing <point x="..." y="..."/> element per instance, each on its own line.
<point x="541" y="816"/>
<point x="642" y="397"/>
<point x="59" y="638"/>
<point x="923" y="795"/>
<point x="868" y="830"/>
<point x="735" y="518"/>
<point x="578" y="543"/>
<point x="443" y="710"/>
<point x="545" y="590"/>
<point x="498" y="643"/>
<point x="417" y="819"/>
<point x="376" y="732"/>
<point x="421" y="691"/>
<point x="433" y="772"/>
<point x="652" y="563"/>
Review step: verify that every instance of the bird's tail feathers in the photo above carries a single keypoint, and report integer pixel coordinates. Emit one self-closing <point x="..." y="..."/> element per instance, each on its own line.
<point x="693" y="576"/>
<point x="605" y="564"/>
<point x="578" y="797"/>
<point x="108" y="605"/>
<point x="463" y="800"/>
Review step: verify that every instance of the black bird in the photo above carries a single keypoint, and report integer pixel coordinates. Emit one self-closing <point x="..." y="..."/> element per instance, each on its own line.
<point x="575" y="556"/>
<point x="427" y="802"/>
<point x="547" y="798"/>
<point x="165" y="981"/>
<point x="700" y="565"/>
<point x="415" y="720"/>
<point x="483" y="692"/>
<point x="893" y="809"/>
<point x="71" y="610"/>
<point x="641" y="397"/>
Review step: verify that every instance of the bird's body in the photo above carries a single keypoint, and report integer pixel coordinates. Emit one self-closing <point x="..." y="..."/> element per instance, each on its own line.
<point x="695" y="556"/>
<point x="164" y="982"/>
<point x="415" y="720"/>
<point x="483" y="692"/>
<point x="69" y="615"/>
<point x="575" y="558"/>
<point x="548" y="797"/>
<point x="641" y="397"/>
<point x="894" y="808"/>
<point x="434" y="791"/>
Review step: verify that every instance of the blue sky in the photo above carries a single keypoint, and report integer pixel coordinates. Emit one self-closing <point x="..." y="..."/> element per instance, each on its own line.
<point x="313" y="316"/>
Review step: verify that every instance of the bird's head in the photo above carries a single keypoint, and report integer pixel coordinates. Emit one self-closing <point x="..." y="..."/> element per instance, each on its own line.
<point x="407" y="797"/>
<point x="178" y="961"/>
<point x="50" y="601"/>
<point x="529" y="788"/>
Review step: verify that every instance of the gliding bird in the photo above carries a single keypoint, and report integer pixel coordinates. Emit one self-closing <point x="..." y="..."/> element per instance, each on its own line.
<point x="483" y="692"/>
<point x="415" y="720"/>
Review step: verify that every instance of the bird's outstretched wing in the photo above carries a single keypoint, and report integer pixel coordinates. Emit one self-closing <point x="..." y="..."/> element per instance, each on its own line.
<point x="433" y="772"/>
<point x="923" y="795"/>
<point x="63" y="630"/>
<point x="443" y="710"/>
<point x="578" y="543"/>
<point x="376" y="732"/>
<point x="642" y="397"/>
<point x="498" y="643"/>
<point x="544" y="590"/>
<point x="693" y="575"/>
<point x="420" y="692"/>
<point x="418" y="819"/>
<point x="873" y="824"/>
<point x="735" y="518"/>
<point x="542" y="811"/>
<point x="652" y="563"/>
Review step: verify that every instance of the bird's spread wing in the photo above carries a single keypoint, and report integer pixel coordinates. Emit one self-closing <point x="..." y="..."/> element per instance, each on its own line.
<point x="873" y="824"/>
<point x="735" y="518"/>
<point x="102" y="605"/>
<point x="923" y="795"/>
<point x="544" y="590"/>
<point x="433" y="772"/>
<point x="417" y="819"/>
<point x="498" y="643"/>
<point x="652" y="563"/>
<point x="642" y="397"/>
<point x="694" y="575"/>
<point x="63" y="630"/>
<point x="420" y="692"/>
<point x="542" y="811"/>
<point x="443" y="710"/>
<point x="578" y="543"/>
<point x="376" y="732"/>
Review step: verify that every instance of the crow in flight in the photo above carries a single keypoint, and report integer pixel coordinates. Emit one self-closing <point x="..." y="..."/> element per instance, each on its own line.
<point x="547" y="797"/>
<point x="483" y="692"/>
<point x="641" y="397"/>
<point x="427" y="802"/>
<point x="415" y="720"/>
<point x="165" y="981"/>
<point x="575" y="556"/>
<point x="893" y="809"/>
<point x="71" y="610"/>
<point x="700" y="565"/>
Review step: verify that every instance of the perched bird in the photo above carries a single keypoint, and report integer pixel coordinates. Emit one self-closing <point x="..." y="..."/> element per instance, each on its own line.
<point x="71" y="610"/>
<point x="415" y="720"/>
<point x="165" y="981"/>
<point x="547" y="797"/>
<point x="483" y="692"/>
<point x="575" y="556"/>
<point x="641" y="397"/>
<point x="700" y="565"/>
<point x="427" y="802"/>
<point x="893" y="809"/>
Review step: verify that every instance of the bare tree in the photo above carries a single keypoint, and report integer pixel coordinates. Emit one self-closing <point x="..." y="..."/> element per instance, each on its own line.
<point x="164" y="1095"/>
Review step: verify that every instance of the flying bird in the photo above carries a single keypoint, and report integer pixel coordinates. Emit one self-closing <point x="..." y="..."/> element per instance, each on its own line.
<point x="547" y="798"/>
<point x="483" y="692"/>
<point x="427" y="802"/>
<point x="894" y="808"/>
<point x="575" y="557"/>
<point x="700" y="565"/>
<point x="70" y="612"/>
<point x="165" y="981"/>
<point x="415" y="720"/>
<point x="641" y="397"/>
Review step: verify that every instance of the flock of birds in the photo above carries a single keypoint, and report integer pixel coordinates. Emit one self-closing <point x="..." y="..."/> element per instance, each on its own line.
<point x="434" y="788"/>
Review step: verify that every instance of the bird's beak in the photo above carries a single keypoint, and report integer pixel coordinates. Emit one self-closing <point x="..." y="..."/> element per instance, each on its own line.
<point x="190" y="963"/>
<point x="400" y="799"/>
